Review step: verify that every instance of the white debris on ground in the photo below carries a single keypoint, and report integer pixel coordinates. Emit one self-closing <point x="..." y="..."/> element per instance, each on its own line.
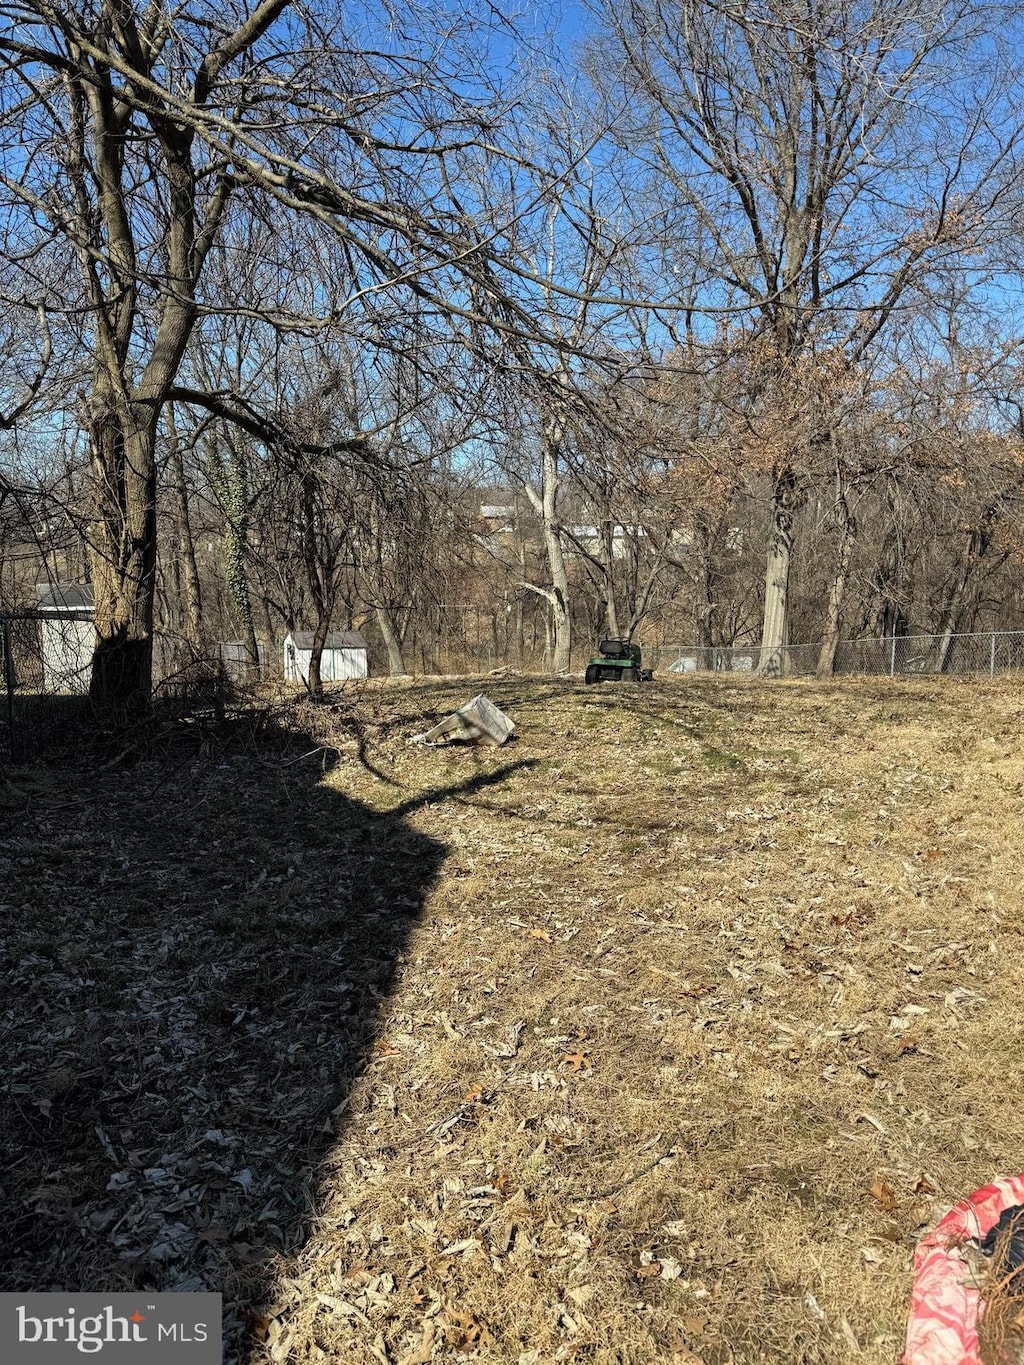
<point x="479" y="721"/>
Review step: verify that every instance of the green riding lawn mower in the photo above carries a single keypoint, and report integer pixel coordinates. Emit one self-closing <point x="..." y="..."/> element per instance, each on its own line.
<point x="617" y="661"/>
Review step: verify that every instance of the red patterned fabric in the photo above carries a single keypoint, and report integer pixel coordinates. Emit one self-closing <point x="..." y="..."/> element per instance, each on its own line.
<point x="944" y="1303"/>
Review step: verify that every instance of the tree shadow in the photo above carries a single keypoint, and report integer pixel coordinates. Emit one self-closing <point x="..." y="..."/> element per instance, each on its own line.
<point x="195" y="968"/>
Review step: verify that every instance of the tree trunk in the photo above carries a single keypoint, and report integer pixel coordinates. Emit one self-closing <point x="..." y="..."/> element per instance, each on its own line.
<point x="963" y="599"/>
<point x="185" y="560"/>
<point x="558" y="626"/>
<point x="837" y="591"/>
<point x="123" y="552"/>
<point x="891" y="585"/>
<point x="314" y="682"/>
<point x="611" y="614"/>
<point x="392" y="642"/>
<point x="773" y="662"/>
<point x="561" y="622"/>
<point x="520" y="600"/>
<point x="234" y="493"/>
<point x="704" y="605"/>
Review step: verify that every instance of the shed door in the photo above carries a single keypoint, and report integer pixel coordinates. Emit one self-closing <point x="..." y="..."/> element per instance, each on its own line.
<point x="339" y="664"/>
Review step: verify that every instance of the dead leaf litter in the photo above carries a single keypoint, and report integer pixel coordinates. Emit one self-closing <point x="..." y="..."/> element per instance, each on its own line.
<point x="657" y="1035"/>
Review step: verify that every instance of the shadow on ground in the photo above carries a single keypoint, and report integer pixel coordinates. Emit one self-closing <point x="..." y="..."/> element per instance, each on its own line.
<point x="194" y="968"/>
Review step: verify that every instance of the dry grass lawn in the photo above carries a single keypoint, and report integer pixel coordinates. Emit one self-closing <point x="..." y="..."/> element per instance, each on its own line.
<point x="657" y="1036"/>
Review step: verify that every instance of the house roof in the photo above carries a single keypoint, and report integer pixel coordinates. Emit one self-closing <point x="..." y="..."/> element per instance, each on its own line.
<point x="64" y="597"/>
<point x="336" y="639"/>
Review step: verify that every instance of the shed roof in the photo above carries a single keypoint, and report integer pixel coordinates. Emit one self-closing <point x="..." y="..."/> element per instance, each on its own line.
<point x="336" y="639"/>
<point x="62" y="597"/>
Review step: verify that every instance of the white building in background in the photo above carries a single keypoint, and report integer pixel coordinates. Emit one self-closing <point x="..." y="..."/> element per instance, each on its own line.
<point x="588" y="539"/>
<point x="345" y="656"/>
<point x="66" y="635"/>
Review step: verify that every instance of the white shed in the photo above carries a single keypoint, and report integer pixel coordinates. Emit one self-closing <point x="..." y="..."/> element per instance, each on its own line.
<point x="344" y="656"/>
<point x="66" y="635"/>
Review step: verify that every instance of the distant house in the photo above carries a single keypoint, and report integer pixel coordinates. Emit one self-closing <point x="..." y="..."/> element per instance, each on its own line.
<point x="344" y="656"/>
<point x="682" y="536"/>
<point x="588" y="539"/>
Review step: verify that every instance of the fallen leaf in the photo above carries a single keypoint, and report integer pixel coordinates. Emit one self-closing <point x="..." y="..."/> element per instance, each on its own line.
<point x="281" y="1347"/>
<point x="470" y="1331"/>
<point x="648" y="1272"/>
<point x="577" y="1060"/>
<point x="884" y="1195"/>
<point x="541" y="934"/>
<point x="261" y="1325"/>
<point x="422" y="1354"/>
<point x="460" y="1248"/>
<point x="870" y="1118"/>
<point x="849" y="1335"/>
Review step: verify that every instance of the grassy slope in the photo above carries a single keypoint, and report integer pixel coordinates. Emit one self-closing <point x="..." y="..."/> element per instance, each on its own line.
<point x="712" y="1004"/>
<point x="773" y="914"/>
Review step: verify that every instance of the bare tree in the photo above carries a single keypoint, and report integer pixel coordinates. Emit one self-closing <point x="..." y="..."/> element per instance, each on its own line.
<point x="813" y="164"/>
<point x="144" y="128"/>
<point x="579" y="252"/>
<point x="111" y="166"/>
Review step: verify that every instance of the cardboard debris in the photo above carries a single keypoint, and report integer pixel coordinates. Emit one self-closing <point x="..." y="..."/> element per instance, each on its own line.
<point x="479" y="720"/>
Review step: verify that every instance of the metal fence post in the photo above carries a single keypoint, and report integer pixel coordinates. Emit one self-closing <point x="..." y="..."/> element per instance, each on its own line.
<point x="992" y="657"/>
<point x="892" y="657"/>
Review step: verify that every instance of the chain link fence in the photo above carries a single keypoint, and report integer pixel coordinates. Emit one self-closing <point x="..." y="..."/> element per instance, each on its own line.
<point x="46" y="668"/>
<point x="45" y="664"/>
<point x="988" y="652"/>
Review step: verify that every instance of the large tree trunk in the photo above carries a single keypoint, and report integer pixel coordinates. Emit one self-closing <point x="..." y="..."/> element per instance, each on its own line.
<point x="136" y="357"/>
<point x="392" y="643"/>
<point x="520" y="599"/>
<point x="774" y="634"/>
<point x="558" y="626"/>
<point x="837" y="590"/>
<point x="123" y="552"/>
